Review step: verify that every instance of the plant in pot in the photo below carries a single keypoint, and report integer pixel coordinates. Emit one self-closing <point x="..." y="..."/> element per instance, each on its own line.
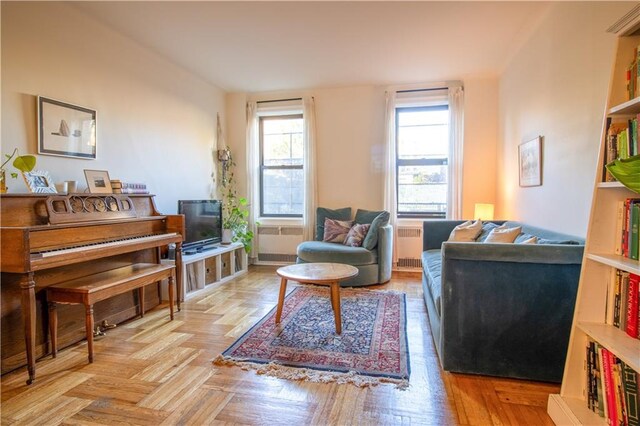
<point x="235" y="210"/>
<point x="24" y="163"/>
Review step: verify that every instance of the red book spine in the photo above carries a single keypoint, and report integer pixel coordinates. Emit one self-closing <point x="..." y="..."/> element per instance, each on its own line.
<point x="632" y="306"/>
<point x="609" y="387"/>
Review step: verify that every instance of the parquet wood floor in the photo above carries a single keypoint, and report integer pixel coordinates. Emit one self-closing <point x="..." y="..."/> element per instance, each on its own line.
<point x="151" y="371"/>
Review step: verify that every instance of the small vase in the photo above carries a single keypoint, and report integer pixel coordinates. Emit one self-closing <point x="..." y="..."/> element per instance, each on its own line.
<point x="226" y="236"/>
<point x="3" y="182"/>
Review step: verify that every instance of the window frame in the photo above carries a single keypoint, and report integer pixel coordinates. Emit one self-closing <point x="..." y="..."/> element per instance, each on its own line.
<point x="417" y="162"/>
<point x="262" y="167"/>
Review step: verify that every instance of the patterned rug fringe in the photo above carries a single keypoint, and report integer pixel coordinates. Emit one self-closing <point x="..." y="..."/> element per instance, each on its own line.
<point x="273" y="369"/>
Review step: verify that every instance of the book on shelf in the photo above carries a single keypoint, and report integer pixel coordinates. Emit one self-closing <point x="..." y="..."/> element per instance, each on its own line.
<point x="628" y="229"/>
<point x="625" y="307"/>
<point x="621" y="142"/>
<point x="611" y="386"/>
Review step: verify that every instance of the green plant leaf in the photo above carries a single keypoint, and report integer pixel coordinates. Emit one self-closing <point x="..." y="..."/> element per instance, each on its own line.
<point x="25" y="163"/>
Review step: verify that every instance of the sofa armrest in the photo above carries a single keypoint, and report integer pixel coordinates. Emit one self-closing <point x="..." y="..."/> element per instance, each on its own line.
<point x="520" y="253"/>
<point x="385" y="253"/>
<point x="435" y="232"/>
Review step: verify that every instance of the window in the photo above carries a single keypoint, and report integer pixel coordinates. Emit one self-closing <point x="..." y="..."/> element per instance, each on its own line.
<point x="422" y="137"/>
<point x="281" y="166"/>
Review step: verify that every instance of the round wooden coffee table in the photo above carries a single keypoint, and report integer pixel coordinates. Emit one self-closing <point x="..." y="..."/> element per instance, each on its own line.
<point x="316" y="273"/>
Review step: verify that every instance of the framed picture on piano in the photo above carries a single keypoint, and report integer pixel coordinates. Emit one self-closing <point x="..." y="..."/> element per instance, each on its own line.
<point x="98" y="181"/>
<point x="39" y="182"/>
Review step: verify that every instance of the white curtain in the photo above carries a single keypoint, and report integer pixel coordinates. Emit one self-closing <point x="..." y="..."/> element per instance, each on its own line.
<point x="310" y="179"/>
<point x="253" y="178"/>
<point x="390" y="195"/>
<point x="456" y="137"/>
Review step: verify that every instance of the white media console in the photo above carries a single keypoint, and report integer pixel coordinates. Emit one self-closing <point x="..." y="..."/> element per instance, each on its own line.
<point x="215" y="265"/>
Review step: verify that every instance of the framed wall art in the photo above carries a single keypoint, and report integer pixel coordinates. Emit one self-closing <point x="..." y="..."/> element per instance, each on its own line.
<point x="39" y="182"/>
<point x="530" y="162"/>
<point x="66" y="130"/>
<point x="98" y="181"/>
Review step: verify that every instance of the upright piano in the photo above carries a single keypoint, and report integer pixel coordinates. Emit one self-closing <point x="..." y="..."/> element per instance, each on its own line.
<point x="47" y="239"/>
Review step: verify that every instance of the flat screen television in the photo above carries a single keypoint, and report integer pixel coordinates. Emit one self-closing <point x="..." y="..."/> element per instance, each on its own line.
<point x="203" y="223"/>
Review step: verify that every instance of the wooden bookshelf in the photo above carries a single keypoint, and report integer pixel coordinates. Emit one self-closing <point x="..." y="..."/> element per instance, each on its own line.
<point x="594" y="303"/>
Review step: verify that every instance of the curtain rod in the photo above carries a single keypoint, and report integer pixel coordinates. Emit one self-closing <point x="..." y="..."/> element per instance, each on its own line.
<point x="421" y="90"/>
<point x="279" y="100"/>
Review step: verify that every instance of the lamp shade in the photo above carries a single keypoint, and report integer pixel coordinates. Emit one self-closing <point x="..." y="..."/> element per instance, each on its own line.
<point x="483" y="211"/>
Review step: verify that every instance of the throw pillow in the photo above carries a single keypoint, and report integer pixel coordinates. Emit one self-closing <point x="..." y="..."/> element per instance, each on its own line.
<point x="356" y="235"/>
<point x="486" y="229"/>
<point x="532" y="240"/>
<point x="377" y="219"/>
<point x="466" y="232"/>
<point x="335" y="231"/>
<point x="502" y="234"/>
<point x="522" y="238"/>
<point x="545" y="241"/>
<point x="323" y="213"/>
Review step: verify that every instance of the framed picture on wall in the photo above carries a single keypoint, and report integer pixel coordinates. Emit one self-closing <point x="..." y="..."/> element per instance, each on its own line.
<point x="66" y="130"/>
<point x="98" y="181"/>
<point x="530" y="162"/>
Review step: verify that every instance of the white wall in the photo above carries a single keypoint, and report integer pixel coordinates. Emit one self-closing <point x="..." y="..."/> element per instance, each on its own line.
<point x="156" y="122"/>
<point x="350" y="147"/>
<point x="556" y="87"/>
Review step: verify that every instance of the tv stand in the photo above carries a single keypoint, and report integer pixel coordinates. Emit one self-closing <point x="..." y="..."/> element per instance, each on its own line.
<point x="208" y="265"/>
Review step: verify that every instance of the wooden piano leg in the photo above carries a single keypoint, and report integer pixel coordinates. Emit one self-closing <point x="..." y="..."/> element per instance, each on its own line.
<point x="141" y="297"/>
<point x="89" y="328"/>
<point x="53" y="328"/>
<point x="28" y="302"/>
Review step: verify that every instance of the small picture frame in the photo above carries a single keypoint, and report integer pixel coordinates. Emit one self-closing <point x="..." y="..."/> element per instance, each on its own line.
<point x="530" y="162"/>
<point x="66" y="130"/>
<point x="98" y="181"/>
<point x="39" y="182"/>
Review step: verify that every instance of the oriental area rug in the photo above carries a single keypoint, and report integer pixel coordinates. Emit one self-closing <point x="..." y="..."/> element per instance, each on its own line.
<point x="372" y="348"/>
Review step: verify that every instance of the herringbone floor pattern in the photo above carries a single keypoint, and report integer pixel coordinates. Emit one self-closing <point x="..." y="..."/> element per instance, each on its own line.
<point x="153" y="371"/>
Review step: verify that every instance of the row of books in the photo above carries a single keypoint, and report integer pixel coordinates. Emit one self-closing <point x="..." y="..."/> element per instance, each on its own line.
<point x="621" y="142"/>
<point x="612" y="387"/>
<point x="625" y="314"/>
<point x="120" y="187"/>
<point x="633" y="75"/>
<point x="628" y="228"/>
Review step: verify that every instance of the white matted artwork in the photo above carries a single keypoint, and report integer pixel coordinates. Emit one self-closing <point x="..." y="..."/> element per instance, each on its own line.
<point x="530" y="162"/>
<point x="66" y="130"/>
<point x="39" y="182"/>
<point x="98" y="181"/>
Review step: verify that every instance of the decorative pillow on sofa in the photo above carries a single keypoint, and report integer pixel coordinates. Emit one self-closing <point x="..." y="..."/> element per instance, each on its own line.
<point x="323" y="213"/>
<point x="356" y="235"/>
<point x="376" y="219"/>
<point x="335" y="231"/>
<point x="486" y="229"/>
<point x="532" y="240"/>
<point x="502" y="234"/>
<point x="466" y="232"/>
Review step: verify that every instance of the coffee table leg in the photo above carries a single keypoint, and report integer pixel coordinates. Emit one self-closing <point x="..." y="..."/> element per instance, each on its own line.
<point x="335" y="303"/>
<point x="283" y="290"/>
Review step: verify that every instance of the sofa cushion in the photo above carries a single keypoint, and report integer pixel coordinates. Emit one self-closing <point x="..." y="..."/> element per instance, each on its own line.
<point x="320" y="251"/>
<point x="432" y="264"/>
<point x="381" y="219"/>
<point x="503" y="234"/>
<point x="335" y="231"/>
<point x="322" y="213"/>
<point x="356" y="235"/>
<point x="466" y="232"/>
<point x="486" y="229"/>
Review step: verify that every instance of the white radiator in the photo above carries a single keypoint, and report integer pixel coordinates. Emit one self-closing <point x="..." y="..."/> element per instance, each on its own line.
<point x="409" y="248"/>
<point x="277" y="244"/>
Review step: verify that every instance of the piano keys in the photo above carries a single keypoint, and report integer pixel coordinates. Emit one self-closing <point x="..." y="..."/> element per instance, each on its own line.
<point x="47" y="239"/>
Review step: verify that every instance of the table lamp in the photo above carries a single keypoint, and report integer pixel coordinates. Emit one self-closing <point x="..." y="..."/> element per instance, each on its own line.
<point x="483" y="211"/>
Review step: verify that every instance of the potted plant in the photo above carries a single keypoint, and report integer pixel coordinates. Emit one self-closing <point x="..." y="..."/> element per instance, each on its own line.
<point x="24" y="163"/>
<point x="235" y="210"/>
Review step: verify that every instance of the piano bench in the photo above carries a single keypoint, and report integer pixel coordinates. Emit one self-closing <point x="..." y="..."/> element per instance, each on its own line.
<point x="90" y="289"/>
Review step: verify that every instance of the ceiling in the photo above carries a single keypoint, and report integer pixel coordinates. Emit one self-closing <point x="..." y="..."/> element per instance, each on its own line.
<point x="269" y="46"/>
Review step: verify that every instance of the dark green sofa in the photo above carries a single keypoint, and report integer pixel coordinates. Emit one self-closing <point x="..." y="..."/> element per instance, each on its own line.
<point x="501" y="309"/>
